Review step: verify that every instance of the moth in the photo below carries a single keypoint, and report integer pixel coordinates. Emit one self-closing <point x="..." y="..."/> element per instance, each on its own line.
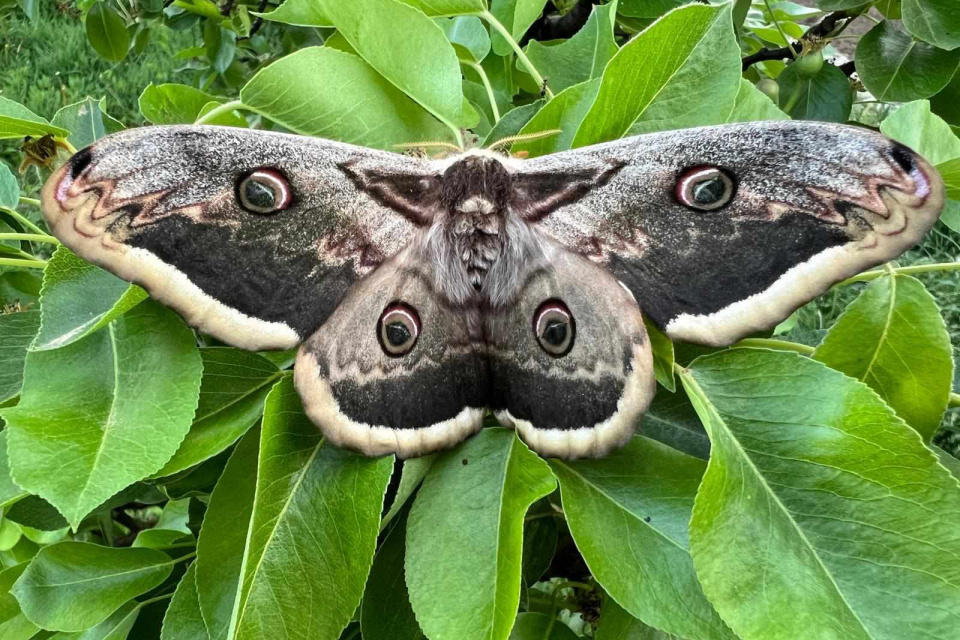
<point x="424" y="292"/>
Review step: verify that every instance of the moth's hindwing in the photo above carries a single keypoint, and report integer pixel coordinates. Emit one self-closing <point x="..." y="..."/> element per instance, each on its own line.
<point x="252" y="236"/>
<point x="570" y="360"/>
<point x="395" y="369"/>
<point x="723" y="231"/>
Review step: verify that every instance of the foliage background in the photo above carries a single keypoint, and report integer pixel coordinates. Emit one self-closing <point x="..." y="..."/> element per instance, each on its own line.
<point x="156" y="484"/>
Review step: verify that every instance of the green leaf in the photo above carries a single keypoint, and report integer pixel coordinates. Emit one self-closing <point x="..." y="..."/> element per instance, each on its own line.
<point x="17" y="331"/>
<point x="13" y="624"/>
<point x="116" y="627"/>
<point x="582" y="57"/>
<point x="647" y="8"/>
<point x="672" y="420"/>
<point x="654" y="81"/>
<point x="617" y="624"/>
<point x="539" y="626"/>
<point x="331" y="94"/>
<point x="512" y="122"/>
<point x="386" y="613"/>
<point x="104" y="412"/>
<point x="84" y="120"/>
<point x="234" y="387"/>
<point x="173" y="103"/>
<point x="298" y="565"/>
<point x="16" y="121"/>
<point x="223" y="537"/>
<point x="915" y="126"/>
<point x="468" y="36"/>
<point x="9" y="188"/>
<point x="663" y="357"/>
<point x="183" y="620"/>
<point x="821" y="514"/>
<point x="9" y="491"/>
<point x="753" y="105"/>
<point x="465" y="527"/>
<point x="641" y="497"/>
<point x="72" y="586"/>
<point x="951" y="215"/>
<point x="414" y="471"/>
<point x="516" y="16"/>
<point x="303" y="13"/>
<point x="447" y="7"/>
<point x="896" y="68"/>
<point x="220" y="45"/>
<point x="540" y="535"/>
<point x="893" y="338"/>
<point x="78" y="299"/>
<point x="950" y="172"/>
<point x="565" y="112"/>
<point x="406" y="48"/>
<point x="933" y="21"/>
<point x="946" y="104"/>
<point x="107" y="32"/>
<point x="826" y="96"/>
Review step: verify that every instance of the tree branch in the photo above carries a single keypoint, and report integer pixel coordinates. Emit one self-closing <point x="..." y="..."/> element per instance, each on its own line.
<point x="832" y="25"/>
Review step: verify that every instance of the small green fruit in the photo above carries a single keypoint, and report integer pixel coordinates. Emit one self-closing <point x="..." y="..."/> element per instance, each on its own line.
<point x="809" y="64"/>
<point x="770" y="87"/>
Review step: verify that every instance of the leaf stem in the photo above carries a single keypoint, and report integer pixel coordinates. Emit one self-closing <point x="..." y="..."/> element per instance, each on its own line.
<point x="29" y="237"/>
<point x="22" y="219"/>
<point x="776" y="23"/>
<point x="216" y="112"/>
<point x="794" y="98"/>
<point x="186" y="556"/>
<point x="486" y="85"/>
<point x="36" y="263"/>
<point x="33" y="201"/>
<point x="778" y="345"/>
<point x="524" y="60"/>
<point x="867" y="276"/>
<point x="156" y="599"/>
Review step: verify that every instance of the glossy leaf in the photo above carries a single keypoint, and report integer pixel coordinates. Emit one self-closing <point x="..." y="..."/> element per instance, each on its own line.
<point x="539" y="626"/>
<point x="582" y="57"/>
<point x="896" y="68"/>
<point x="819" y="508"/>
<point x="641" y="497"/>
<point x="406" y="48"/>
<point x="14" y="625"/>
<point x="17" y="331"/>
<point x="183" y="620"/>
<point x="78" y="299"/>
<point x="565" y="112"/>
<point x="223" y="538"/>
<point x="655" y="81"/>
<point x="386" y="613"/>
<point x="893" y="338"/>
<point x="107" y="32"/>
<point x="826" y="96"/>
<point x="331" y="94"/>
<point x="233" y="389"/>
<point x="516" y="16"/>
<point x="933" y="21"/>
<point x="465" y="527"/>
<point x="16" y="121"/>
<point x="104" y="412"/>
<point x="84" y="120"/>
<point x="313" y="531"/>
<point x="753" y="105"/>
<point x="72" y="586"/>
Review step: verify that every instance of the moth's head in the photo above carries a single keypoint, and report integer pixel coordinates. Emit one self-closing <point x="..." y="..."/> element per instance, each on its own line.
<point x="476" y="180"/>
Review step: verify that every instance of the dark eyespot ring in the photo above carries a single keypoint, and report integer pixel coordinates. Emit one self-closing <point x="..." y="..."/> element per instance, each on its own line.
<point x="398" y="329"/>
<point x="555" y="328"/>
<point x="264" y="191"/>
<point x="705" y="188"/>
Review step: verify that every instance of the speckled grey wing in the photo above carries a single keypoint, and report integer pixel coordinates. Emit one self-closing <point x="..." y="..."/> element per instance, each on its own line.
<point x="428" y="394"/>
<point x="812" y="204"/>
<point x="160" y="206"/>
<point x="575" y="399"/>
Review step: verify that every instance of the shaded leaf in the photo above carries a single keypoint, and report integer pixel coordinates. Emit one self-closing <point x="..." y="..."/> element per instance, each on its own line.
<point x="540" y="535"/>
<point x="9" y="190"/>
<point x="893" y="338"/>
<point x="565" y="112"/>
<point x="672" y="420"/>
<point x="386" y="613"/>
<point x="826" y="96"/>
<point x="17" y="331"/>
<point x="582" y="57"/>
<point x="9" y="491"/>
<point x="79" y="298"/>
<point x="414" y="470"/>
<point x="654" y="81"/>
<point x="331" y="94"/>
<point x="647" y="8"/>
<point x="539" y="626"/>
<point x="183" y="620"/>
<point x="812" y="481"/>
<point x="896" y="68"/>
<point x="72" y="586"/>
<point x="107" y="32"/>
<point x="13" y="624"/>
<point x="641" y="497"/>
<point x="617" y="624"/>
<point x="512" y="122"/>
<point x="468" y="36"/>
<point x="753" y="105"/>
<point x="516" y="16"/>
<point x="104" y="412"/>
<point x="465" y="527"/>
<point x="116" y="627"/>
